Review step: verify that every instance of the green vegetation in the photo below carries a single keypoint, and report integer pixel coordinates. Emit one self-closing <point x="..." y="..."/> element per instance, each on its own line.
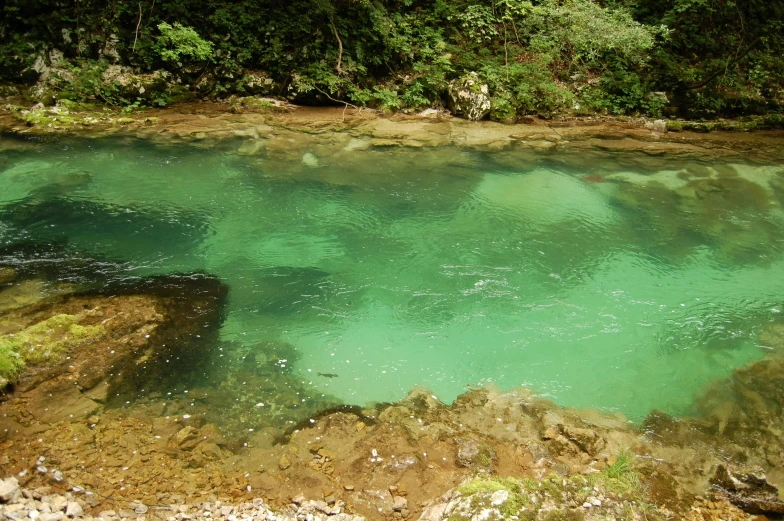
<point x="43" y="343"/>
<point x="619" y="481"/>
<point x="517" y="489"/>
<point x="179" y="43"/>
<point x="691" y="58"/>
<point x="620" y="477"/>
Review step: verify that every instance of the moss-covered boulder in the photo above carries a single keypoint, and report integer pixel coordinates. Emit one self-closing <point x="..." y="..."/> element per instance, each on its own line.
<point x="469" y="97"/>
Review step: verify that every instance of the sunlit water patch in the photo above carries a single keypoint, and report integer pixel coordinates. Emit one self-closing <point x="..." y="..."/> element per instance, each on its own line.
<point x="386" y="270"/>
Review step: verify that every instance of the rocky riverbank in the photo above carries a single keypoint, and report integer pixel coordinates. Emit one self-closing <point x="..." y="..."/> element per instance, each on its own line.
<point x="270" y="129"/>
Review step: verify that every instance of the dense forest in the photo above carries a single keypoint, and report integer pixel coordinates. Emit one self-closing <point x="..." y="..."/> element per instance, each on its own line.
<point x="687" y="58"/>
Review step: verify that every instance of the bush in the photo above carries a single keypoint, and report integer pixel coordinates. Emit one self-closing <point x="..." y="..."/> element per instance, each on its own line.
<point x="179" y="43"/>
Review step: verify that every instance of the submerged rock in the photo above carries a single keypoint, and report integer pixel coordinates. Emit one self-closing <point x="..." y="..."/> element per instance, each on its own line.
<point x="749" y="490"/>
<point x="475" y="455"/>
<point x="69" y="354"/>
<point x="7" y="274"/>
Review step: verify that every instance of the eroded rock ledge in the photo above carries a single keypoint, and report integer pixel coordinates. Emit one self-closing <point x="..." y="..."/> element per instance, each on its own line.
<point x="292" y="131"/>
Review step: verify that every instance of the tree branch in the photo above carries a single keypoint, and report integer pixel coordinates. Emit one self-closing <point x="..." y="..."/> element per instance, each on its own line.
<point x="346" y="103"/>
<point x="730" y="63"/>
<point x="136" y="37"/>
<point x="340" y="46"/>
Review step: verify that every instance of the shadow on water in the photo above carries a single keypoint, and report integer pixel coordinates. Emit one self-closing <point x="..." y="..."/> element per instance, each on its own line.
<point x="184" y="350"/>
<point x="286" y="290"/>
<point x="142" y="234"/>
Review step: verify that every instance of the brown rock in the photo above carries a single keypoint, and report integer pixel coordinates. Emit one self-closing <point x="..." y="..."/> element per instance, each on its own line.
<point x="749" y="490"/>
<point x="586" y="439"/>
<point x="187" y="438"/>
<point x="58" y="400"/>
<point x="210" y="451"/>
<point x="212" y="434"/>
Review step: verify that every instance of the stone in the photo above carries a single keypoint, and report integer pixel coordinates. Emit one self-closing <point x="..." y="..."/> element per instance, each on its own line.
<point x="310" y="160"/>
<point x="210" y="451"/>
<point x="73" y="509"/>
<point x="399" y="503"/>
<point x="586" y="439"/>
<point x="58" y="503"/>
<point x="252" y="147"/>
<point x="187" y="438"/>
<point x="499" y="497"/>
<point x="7" y="274"/>
<point x="9" y="489"/>
<point x="749" y="490"/>
<point x="468" y="97"/>
<point x="474" y="454"/>
<point x="58" y="400"/>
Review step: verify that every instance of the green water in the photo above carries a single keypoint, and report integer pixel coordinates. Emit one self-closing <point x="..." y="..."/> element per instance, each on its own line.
<point x="626" y="290"/>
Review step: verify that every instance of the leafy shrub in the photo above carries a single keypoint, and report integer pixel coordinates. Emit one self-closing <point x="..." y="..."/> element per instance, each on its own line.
<point x="179" y="43"/>
<point x="537" y="56"/>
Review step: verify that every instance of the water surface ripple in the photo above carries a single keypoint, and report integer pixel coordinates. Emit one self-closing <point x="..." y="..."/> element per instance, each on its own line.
<point x="626" y="294"/>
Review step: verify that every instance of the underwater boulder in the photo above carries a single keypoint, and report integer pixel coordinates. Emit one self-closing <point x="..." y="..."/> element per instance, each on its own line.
<point x="748" y="489"/>
<point x="532" y="195"/>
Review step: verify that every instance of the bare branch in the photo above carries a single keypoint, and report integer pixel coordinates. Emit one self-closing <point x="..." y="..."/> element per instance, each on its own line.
<point x="136" y="37"/>
<point x="340" y="46"/>
<point x="346" y="103"/>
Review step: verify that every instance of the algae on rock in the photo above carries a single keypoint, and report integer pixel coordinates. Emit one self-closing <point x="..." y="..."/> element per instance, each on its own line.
<point x="43" y="343"/>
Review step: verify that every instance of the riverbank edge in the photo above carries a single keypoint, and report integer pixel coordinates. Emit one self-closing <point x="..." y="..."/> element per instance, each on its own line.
<point x="213" y="122"/>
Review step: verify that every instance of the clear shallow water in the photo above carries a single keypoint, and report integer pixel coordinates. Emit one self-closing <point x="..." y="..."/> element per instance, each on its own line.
<point x="625" y="289"/>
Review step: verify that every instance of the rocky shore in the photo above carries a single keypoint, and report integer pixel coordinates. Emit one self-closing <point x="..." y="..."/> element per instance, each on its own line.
<point x="42" y="504"/>
<point x="269" y="129"/>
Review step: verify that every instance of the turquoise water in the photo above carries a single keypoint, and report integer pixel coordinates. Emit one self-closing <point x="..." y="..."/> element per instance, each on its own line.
<point x="624" y="289"/>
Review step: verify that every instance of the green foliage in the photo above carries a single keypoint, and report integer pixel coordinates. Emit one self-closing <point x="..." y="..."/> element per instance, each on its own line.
<point x="517" y="489"/>
<point x="722" y="56"/>
<point x="541" y="57"/>
<point x="621" y="478"/>
<point x="84" y="80"/>
<point x="179" y="43"/>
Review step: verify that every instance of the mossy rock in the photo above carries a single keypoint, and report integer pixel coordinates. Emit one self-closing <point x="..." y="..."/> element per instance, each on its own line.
<point x="476" y="455"/>
<point x="44" y="343"/>
<point x="675" y="126"/>
<point x="7" y="274"/>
